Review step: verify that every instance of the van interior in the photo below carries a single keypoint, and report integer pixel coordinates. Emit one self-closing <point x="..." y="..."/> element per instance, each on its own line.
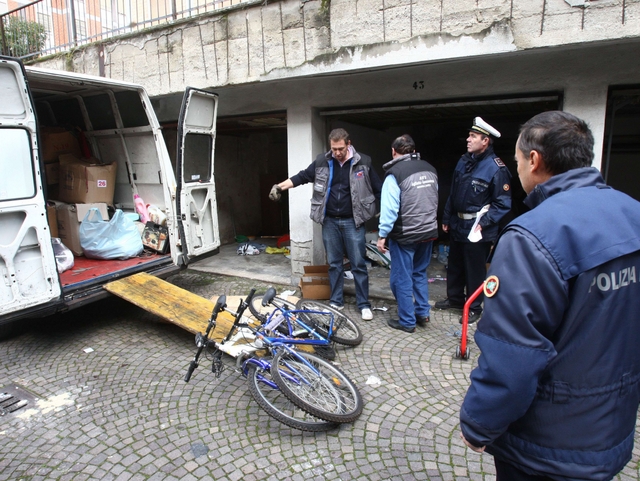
<point x="102" y="126"/>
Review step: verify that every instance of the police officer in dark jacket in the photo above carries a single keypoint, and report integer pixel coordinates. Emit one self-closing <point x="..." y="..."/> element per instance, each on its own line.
<point x="480" y="180"/>
<point x="556" y="391"/>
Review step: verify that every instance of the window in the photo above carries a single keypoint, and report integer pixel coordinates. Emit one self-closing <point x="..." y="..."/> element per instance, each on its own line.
<point x="197" y="158"/>
<point x="16" y="165"/>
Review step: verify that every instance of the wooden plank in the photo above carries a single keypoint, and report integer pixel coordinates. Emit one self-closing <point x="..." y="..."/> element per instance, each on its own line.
<point x="172" y="303"/>
<point x="179" y="306"/>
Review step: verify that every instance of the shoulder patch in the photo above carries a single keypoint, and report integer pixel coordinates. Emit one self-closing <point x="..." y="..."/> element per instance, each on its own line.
<point x="506" y="187"/>
<point x="491" y="286"/>
<point x="499" y="162"/>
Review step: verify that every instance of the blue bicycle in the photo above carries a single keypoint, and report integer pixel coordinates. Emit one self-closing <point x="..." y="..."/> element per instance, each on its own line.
<point x="297" y="388"/>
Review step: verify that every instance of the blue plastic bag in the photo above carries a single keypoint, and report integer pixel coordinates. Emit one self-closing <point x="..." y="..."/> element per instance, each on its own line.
<point x="118" y="238"/>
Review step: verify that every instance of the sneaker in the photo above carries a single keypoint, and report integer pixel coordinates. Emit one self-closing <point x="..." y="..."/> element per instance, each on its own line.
<point x="367" y="315"/>
<point x="422" y="320"/>
<point x="473" y="317"/>
<point x="447" y="304"/>
<point x="336" y="307"/>
<point x="396" y="325"/>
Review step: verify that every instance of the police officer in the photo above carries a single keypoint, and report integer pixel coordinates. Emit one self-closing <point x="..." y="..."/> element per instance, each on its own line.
<point x="480" y="179"/>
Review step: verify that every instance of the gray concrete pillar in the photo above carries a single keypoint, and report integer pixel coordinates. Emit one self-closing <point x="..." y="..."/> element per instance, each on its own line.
<point x="589" y="102"/>
<point x="305" y="138"/>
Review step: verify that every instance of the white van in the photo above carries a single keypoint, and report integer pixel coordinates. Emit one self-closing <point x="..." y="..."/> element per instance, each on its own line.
<point x="117" y="124"/>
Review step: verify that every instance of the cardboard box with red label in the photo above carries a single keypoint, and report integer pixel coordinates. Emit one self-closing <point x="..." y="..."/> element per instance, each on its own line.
<point x="86" y="180"/>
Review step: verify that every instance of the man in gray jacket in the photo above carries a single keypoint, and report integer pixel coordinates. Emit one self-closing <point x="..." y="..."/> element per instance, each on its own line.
<point x="345" y="188"/>
<point x="408" y="222"/>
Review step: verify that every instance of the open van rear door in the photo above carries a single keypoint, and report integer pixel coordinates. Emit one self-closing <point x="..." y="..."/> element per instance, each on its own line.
<point x="28" y="271"/>
<point x="196" y="193"/>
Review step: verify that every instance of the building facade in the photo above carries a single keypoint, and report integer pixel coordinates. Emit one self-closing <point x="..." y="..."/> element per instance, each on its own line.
<point x="288" y="71"/>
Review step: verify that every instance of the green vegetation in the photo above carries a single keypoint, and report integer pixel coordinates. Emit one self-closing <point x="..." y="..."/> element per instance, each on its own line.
<point x="23" y="37"/>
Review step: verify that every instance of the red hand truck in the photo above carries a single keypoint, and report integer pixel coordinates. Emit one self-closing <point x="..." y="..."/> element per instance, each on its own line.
<point x="462" y="351"/>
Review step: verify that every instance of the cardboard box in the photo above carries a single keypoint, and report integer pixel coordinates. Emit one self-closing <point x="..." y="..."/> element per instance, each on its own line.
<point x="86" y="181"/>
<point x="55" y="141"/>
<point x="52" y="218"/>
<point x="52" y="172"/>
<point x="315" y="283"/>
<point x="69" y="219"/>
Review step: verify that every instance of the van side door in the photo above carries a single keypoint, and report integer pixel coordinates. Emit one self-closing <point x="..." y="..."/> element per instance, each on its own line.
<point x="196" y="192"/>
<point x="28" y="271"/>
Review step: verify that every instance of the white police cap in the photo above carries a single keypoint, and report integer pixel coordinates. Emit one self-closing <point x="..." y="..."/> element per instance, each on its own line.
<point x="481" y="126"/>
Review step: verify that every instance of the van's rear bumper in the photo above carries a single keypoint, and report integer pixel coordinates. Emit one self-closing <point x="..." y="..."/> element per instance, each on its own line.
<point x="84" y="293"/>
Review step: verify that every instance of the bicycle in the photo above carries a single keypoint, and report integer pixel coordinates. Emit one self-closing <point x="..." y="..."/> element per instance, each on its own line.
<point x="288" y="378"/>
<point x="328" y="322"/>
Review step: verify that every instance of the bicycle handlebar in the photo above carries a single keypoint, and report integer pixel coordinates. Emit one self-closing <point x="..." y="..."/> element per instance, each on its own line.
<point x="268" y="296"/>
<point x="221" y="303"/>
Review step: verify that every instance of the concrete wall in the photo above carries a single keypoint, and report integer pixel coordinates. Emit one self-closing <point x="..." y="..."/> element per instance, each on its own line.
<point x="293" y="38"/>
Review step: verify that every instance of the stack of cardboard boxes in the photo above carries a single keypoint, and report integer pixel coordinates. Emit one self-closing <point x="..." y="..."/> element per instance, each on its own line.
<point x="75" y="184"/>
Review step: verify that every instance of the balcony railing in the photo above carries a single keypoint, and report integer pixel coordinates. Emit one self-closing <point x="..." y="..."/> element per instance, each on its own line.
<point x="44" y="27"/>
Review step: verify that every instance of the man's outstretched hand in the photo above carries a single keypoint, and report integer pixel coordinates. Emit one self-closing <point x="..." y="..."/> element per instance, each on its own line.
<point x="276" y="193"/>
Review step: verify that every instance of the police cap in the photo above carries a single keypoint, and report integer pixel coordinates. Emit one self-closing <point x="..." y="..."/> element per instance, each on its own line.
<point x="482" y="127"/>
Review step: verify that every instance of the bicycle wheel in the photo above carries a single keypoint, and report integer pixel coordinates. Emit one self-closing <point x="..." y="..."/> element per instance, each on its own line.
<point x="319" y="388"/>
<point x="275" y="404"/>
<point x="261" y="312"/>
<point x="345" y="331"/>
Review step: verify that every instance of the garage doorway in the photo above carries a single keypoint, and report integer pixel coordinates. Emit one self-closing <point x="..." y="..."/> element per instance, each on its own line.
<point x="620" y="159"/>
<point x="250" y="156"/>
<point x="440" y="130"/>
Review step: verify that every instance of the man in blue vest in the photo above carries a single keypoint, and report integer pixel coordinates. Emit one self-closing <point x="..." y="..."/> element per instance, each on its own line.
<point x="556" y="391"/>
<point x="345" y="188"/>
<point x="480" y="180"/>
<point x="409" y="225"/>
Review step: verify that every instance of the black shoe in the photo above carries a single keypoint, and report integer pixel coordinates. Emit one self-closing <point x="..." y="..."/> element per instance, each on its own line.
<point x="396" y="325"/>
<point x="473" y="317"/>
<point x="447" y="304"/>
<point x="422" y="321"/>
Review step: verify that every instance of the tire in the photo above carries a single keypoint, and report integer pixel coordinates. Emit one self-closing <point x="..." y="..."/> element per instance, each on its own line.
<point x="262" y="313"/>
<point x="345" y="331"/>
<point x="278" y="406"/>
<point x="328" y="395"/>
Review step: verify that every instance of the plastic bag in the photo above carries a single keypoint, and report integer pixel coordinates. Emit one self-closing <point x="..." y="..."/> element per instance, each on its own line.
<point x="64" y="256"/>
<point x="247" y="250"/>
<point x="118" y="238"/>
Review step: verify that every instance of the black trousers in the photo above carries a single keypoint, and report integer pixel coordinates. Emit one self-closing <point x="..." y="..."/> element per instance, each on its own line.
<point x="508" y="472"/>
<point x="467" y="269"/>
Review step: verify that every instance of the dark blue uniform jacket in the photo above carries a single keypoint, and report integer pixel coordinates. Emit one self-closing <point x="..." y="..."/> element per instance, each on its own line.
<point x="557" y="385"/>
<point x="478" y="181"/>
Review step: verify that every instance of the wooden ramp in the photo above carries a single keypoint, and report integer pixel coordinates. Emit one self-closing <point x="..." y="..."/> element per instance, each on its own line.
<point x="174" y="304"/>
<point x="179" y="306"/>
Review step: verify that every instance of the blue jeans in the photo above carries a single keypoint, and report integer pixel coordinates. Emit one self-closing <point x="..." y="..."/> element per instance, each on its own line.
<point x="408" y="280"/>
<point x="340" y="237"/>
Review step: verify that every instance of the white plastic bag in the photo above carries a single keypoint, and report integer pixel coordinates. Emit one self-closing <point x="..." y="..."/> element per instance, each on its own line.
<point x="118" y="238"/>
<point x="64" y="256"/>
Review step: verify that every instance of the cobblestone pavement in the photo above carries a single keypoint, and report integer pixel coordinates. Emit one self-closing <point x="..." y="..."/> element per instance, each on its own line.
<point x="112" y="404"/>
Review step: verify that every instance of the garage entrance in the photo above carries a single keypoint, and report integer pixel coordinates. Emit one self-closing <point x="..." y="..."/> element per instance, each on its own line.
<point x="620" y="165"/>
<point x="440" y="130"/>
